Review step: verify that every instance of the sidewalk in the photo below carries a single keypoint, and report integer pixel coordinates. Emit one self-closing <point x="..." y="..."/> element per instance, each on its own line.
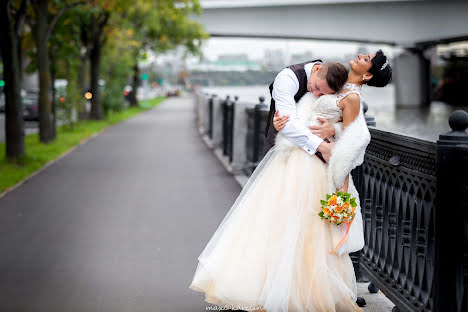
<point x="118" y="224"/>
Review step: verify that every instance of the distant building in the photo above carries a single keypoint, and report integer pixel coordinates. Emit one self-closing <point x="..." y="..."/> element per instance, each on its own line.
<point x="233" y="57"/>
<point x="274" y="59"/>
<point x="297" y="58"/>
<point x="227" y="62"/>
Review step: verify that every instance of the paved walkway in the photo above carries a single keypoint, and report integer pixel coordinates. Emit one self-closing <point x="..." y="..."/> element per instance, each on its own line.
<point x="118" y="224"/>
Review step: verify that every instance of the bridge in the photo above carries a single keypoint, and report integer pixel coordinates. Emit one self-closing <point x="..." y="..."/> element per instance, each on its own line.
<point x="414" y="25"/>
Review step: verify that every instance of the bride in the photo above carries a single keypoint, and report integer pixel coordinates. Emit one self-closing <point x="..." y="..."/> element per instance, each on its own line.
<point x="272" y="252"/>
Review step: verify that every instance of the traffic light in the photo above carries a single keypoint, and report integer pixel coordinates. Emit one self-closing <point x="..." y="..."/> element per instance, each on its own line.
<point x="144" y="76"/>
<point x="2" y="83"/>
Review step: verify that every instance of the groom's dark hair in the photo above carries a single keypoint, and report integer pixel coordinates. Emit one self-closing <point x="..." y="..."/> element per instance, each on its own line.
<point x="335" y="74"/>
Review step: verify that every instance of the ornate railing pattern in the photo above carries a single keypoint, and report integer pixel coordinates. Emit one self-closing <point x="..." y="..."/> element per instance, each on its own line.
<point x="398" y="188"/>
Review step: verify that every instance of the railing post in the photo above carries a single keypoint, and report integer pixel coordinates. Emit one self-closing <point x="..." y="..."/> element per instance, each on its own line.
<point x="450" y="287"/>
<point x="210" y="115"/>
<point x="224" y="110"/>
<point x="357" y="179"/>
<point x="258" y="133"/>
<point x="249" y="140"/>
<point x="232" y="129"/>
<point x="369" y="119"/>
<point x="227" y="118"/>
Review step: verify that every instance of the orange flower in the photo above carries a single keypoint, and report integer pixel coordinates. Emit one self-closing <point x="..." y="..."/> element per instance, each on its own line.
<point x="339" y="209"/>
<point x="327" y="211"/>
<point x="352" y="210"/>
<point x="346" y="205"/>
<point x="332" y="200"/>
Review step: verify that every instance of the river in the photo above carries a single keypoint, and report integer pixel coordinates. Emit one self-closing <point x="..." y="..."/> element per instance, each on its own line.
<point x="424" y="123"/>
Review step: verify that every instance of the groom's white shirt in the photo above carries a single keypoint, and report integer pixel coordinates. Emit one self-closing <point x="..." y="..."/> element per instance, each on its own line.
<point x="285" y="88"/>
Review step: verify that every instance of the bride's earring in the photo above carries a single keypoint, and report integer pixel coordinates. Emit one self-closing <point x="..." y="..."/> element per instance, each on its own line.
<point x="363" y="78"/>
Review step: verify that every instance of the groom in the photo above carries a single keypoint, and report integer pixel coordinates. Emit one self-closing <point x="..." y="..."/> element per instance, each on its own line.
<point x="289" y="86"/>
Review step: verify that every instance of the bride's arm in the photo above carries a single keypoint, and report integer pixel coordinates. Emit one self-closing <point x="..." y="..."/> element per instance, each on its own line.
<point x="351" y="104"/>
<point x="324" y="130"/>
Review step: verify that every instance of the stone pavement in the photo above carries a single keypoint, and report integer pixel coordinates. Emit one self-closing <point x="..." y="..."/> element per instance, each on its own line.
<point x="117" y="224"/>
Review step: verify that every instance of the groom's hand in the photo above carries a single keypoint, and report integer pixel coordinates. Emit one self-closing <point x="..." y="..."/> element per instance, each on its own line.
<point x="325" y="149"/>
<point x="279" y="122"/>
<point x="325" y="130"/>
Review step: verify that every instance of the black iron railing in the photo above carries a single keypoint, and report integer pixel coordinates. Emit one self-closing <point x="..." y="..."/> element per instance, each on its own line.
<point x="414" y="238"/>
<point x="398" y="189"/>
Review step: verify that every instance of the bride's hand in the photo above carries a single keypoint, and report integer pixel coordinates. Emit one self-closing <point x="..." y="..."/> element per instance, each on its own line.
<point x="344" y="188"/>
<point x="279" y="122"/>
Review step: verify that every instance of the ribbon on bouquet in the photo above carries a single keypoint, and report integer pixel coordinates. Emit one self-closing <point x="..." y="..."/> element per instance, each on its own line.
<point x="343" y="240"/>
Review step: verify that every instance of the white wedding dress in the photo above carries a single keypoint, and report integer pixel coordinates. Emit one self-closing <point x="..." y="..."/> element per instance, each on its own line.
<point x="271" y="251"/>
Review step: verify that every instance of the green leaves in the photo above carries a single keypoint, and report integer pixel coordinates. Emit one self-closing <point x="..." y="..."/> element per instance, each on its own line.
<point x="328" y="196"/>
<point x="321" y="215"/>
<point x="323" y="202"/>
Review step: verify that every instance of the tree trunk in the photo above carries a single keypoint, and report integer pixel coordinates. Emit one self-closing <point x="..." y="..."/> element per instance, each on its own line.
<point x="14" y="124"/>
<point x="52" y="83"/>
<point x="135" y="83"/>
<point x="82" y="73"/>
<point x="95" y="57"/>
<point x="45" y="107"/>
<point x="20" y="56"/>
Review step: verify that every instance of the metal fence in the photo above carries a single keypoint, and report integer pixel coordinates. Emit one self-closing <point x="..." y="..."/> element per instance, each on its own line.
<point x="414" y="201"/>
<point x="398" y="188"/>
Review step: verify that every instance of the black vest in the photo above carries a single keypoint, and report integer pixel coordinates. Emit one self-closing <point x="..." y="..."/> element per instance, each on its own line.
<point x="298" y="70"/>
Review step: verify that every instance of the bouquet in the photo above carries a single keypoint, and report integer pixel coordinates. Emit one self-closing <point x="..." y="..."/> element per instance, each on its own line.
<point x="339" y="208"/>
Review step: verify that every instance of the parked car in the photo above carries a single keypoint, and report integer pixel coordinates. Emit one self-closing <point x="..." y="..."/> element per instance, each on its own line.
<point x="30" y="107"/>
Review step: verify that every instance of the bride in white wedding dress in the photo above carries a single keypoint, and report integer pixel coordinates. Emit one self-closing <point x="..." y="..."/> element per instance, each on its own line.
<point x="271" y="252"/>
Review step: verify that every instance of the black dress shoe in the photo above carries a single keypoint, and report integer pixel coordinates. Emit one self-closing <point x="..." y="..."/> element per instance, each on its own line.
<point x="361" y="302"/>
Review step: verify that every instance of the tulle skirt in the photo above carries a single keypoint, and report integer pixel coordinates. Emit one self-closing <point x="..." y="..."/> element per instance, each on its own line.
<point x="271" y="251"/>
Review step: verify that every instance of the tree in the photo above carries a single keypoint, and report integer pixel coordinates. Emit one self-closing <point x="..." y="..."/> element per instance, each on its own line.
<point x="43" y="28"/>
<point x="94" y="37"/>
<point x="11" y="25"/>
<point x="66" y="63"/>
<point x="161" y="26"/>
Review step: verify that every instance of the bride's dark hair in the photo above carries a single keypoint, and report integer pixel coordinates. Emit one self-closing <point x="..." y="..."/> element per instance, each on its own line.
<point x="381" y="70"/>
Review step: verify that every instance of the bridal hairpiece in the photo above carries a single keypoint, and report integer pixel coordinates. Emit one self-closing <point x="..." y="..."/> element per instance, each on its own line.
<point x="384" y="65"/>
